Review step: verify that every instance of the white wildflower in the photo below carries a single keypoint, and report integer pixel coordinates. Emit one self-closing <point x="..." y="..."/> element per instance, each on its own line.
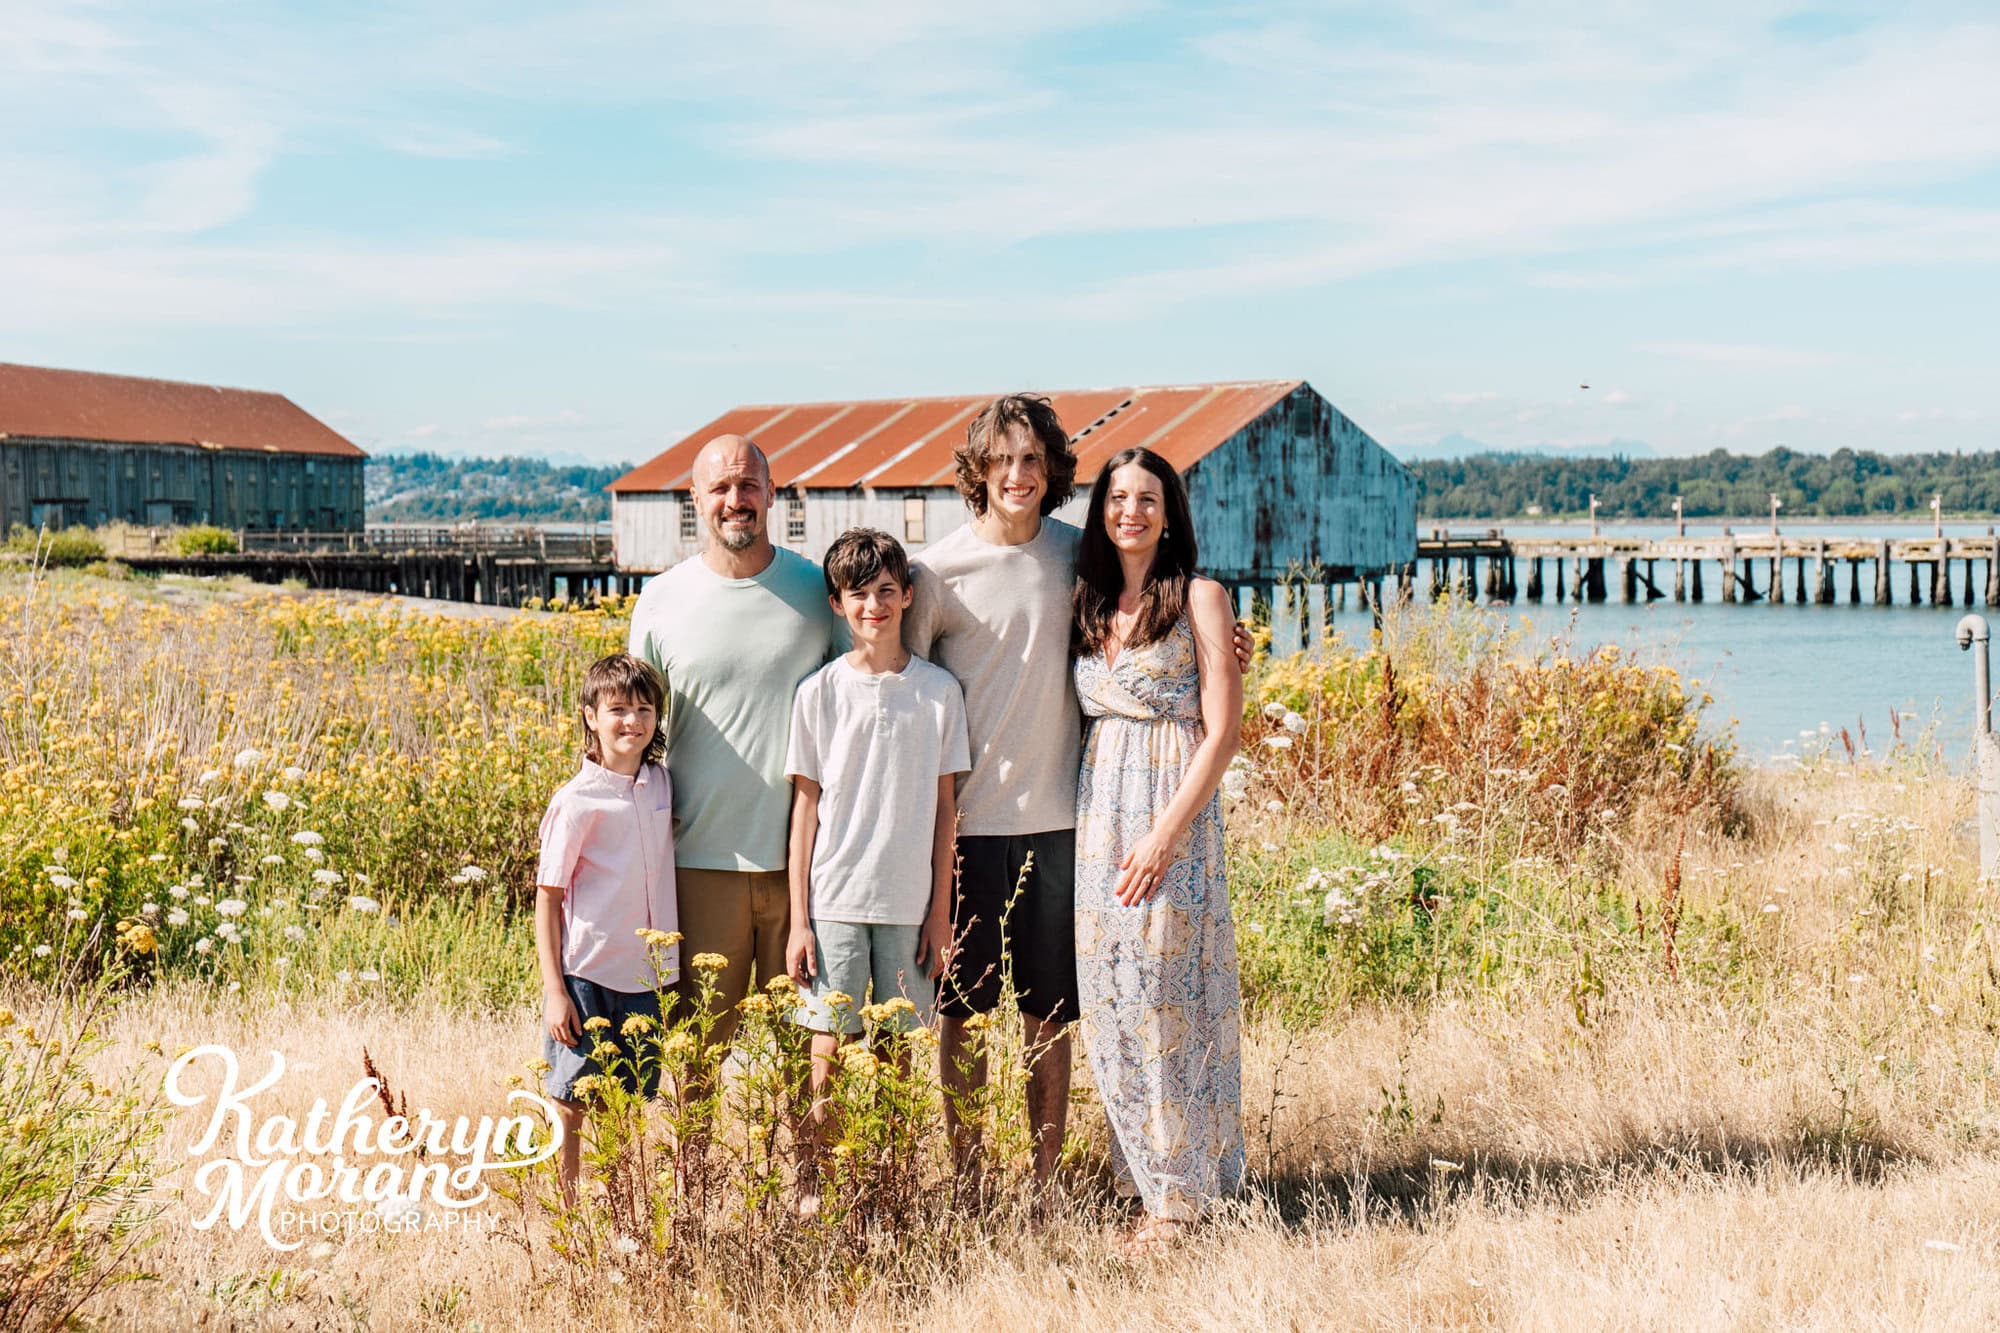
<point x="293" y="773"/>
<point x="277" y="800"/>
<point x="1294" y="724"/>
<point x="177" y="916"/>
<point x="208" y="775"/>
<point x="177" y="891"/>
<point x="1275" y="710"/>
<point x="247" y="759"/>
<point x="204" y="945"/>
<point x="62" y="881"/>
<point x="295" y="933"/>
<point x="326" y="876"/>
<point x="232" y="907"/>
<point x="343" y="976"/>
<point x="370" y="974"/>
<point x="43" y="951"/>
<point x="192" y="803"/>
<point x="305" y="837"/>
<point x="362" y="903"/>
<point x="78" y="914"/>
<point x="273" y="860"/>
<point x="1278" y="742"/>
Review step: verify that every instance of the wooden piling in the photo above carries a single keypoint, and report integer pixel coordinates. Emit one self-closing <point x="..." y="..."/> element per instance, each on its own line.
<point x="1882" y="597"/>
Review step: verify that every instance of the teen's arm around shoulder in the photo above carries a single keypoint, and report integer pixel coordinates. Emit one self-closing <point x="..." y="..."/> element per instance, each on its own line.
<point x="923" y="623"/>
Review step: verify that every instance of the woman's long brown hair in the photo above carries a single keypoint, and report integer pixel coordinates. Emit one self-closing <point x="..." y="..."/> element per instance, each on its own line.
<point x="1100" y="577"/>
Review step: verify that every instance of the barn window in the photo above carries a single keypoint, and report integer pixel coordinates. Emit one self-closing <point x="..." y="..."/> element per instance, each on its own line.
<point x="913" y="518"/>
<point x="795" y="517"/>
<point x="688" y="530"/>
<point x="1304" y="419"/>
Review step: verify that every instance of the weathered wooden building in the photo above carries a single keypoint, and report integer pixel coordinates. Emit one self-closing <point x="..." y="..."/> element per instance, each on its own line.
<point x="84" y="448"/>
<point x="1279" y="477"/>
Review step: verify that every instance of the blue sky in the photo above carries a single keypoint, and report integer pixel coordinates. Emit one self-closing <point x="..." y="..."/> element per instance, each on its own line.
<point x="584" y="229"/>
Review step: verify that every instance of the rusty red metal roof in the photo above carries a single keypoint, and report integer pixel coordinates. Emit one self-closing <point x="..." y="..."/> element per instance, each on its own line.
<point x="84" y="405"/>
<point x="907" y="442"/>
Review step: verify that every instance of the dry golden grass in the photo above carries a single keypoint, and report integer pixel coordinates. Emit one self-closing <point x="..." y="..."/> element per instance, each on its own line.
<point x="1800" y="1150"/>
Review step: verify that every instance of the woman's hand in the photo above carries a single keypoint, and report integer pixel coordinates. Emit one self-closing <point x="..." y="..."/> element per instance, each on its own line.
<point x="559" y="1017"/>
<point x="1145" y="868"/>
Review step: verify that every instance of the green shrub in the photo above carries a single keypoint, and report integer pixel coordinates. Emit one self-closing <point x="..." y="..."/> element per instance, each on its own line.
<point x="205" y="539"/>
<point x="70" y="548"/>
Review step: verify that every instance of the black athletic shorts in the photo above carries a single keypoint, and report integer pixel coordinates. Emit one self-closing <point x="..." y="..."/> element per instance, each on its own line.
<point x="1004" y="922"/>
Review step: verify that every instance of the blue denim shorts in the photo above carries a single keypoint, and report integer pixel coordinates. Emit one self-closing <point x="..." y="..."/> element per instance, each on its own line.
<point x="567" y="1064"/>
<point x="868" y="964"/>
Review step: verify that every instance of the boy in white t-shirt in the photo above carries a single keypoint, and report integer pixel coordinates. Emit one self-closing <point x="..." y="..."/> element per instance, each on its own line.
<point x="878" y="739"/>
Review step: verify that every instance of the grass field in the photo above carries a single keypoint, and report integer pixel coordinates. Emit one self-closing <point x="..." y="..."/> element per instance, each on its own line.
<point x="1556" y="1017"/>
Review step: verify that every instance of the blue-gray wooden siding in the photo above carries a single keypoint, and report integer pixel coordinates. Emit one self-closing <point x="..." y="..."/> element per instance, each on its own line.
<point x="62" y="482"/>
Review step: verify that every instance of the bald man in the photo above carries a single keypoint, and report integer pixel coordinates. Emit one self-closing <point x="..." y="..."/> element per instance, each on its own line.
<point x="733" y="631"/>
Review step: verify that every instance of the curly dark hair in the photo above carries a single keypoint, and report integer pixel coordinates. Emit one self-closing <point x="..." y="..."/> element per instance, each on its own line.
<point x="1032" y="413"/>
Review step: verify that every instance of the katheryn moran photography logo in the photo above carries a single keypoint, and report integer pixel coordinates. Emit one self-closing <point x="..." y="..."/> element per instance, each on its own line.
<point x="345" y="1168"/>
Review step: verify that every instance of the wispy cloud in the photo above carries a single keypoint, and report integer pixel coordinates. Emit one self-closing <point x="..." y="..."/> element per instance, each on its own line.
<point x="1747" y="355"/>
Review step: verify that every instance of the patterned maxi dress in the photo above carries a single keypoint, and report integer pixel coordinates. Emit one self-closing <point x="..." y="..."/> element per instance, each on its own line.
<point x="1157" y="980"/>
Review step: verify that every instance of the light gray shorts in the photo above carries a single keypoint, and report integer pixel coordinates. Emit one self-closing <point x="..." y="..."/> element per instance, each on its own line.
<point x="869" y="964"/>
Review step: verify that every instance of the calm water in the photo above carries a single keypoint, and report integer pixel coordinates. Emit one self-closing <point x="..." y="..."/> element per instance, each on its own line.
<point x="1780" y="670"/>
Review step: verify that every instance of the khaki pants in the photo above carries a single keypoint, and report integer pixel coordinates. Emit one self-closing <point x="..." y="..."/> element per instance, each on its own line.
<point x="744" y="915"/>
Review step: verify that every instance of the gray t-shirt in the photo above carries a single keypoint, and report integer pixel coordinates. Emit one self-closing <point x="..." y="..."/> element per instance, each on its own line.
<point x="998" y="618"/>
<point x="732" y="652"/>
<point x="876" y="745"/>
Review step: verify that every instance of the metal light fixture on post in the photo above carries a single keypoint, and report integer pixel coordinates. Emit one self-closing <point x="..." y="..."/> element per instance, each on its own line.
<point x="1973" y="634"/>
<point x="1593" y="514"/>
<point x="1937" y="517"/>
<point x="1680" y="520"/>
<point x="1776" y="505"/>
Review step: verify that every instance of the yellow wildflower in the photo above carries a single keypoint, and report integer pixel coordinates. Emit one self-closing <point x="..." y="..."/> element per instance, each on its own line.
<point x="597" y="1023"/>
<point x="781" y="982"/>
<point x="755" y="1004"/>
<point x="538" y="1066"/>
<point x="710" y="962"/>
<point x="858" y="1059"/>
<point x="139" y="939"/>
<point x="636" y="1025"/>
<point x="838" y="999"/>
<point x="680" y="1046"/>
<point x="604" y="1052"/>
<point x="658" y="939"/>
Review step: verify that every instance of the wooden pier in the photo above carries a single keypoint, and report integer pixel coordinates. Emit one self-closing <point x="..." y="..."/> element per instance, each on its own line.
<point x="1742" y="567"/>
<point x="496" y="566"/>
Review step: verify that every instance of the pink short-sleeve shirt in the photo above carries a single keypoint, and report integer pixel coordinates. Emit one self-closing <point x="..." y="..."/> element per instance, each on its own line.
<point x="608" y="844"/>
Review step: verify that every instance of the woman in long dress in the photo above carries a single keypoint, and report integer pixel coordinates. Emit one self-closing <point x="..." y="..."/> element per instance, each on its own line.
<point x="1162" y="697"/>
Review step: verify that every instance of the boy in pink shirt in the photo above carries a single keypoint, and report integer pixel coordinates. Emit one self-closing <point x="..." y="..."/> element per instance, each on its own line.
<point x="606" y="879"/>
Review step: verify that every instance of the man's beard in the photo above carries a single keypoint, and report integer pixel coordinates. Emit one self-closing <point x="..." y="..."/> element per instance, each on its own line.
<point x="734" y="538"/>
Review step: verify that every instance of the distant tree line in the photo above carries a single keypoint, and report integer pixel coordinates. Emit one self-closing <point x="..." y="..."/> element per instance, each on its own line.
<point x="428" y="488"/>
<point x="1847" y="483"/>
